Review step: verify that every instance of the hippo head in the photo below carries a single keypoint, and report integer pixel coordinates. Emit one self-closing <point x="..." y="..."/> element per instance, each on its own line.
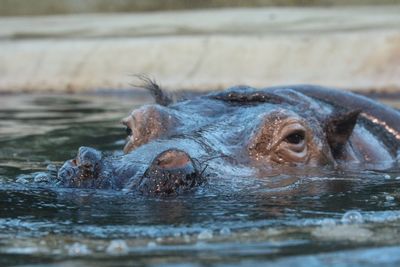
<point x="173" y="147"/>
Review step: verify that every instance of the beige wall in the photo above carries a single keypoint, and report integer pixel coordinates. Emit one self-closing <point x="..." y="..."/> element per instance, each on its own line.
<point x="50" y="7"/>
<point x="355" y="48"/>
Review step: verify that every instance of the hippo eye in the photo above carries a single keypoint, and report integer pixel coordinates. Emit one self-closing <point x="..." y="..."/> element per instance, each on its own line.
<point x="295" y="138"/>
<point x="128" y="131"/>
<point x="293" y="145"/>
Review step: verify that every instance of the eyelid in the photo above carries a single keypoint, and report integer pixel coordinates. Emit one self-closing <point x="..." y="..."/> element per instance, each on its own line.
<point x="286" y="130"/>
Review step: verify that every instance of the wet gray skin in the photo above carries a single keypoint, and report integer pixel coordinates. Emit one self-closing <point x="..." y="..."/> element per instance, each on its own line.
<point x="175" y="147"/>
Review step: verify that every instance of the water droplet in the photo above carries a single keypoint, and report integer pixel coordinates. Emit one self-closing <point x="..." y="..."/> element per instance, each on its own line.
<point x="117" y="247"/>
<point x="225" y="231"/>
<point x="352" y="217"/>
<point x="205" y="234"/>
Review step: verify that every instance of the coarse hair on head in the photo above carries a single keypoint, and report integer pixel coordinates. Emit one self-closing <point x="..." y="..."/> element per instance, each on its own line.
<point x="160" y="96"/>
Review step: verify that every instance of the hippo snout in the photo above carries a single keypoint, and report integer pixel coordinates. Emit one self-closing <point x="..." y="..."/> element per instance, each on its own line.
<point x="83" y="171"/>
<point x="170" y="173"/>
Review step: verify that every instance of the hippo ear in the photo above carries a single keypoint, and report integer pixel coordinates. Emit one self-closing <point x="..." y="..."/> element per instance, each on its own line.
<point x="338" y="129"/>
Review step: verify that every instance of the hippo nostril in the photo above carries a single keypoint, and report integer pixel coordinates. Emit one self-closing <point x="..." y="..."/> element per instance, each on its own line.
<point x="83" y="170"/>
<point x="173" y="159"/>
<point x="66" y="172"/>
<point x="171" y="172"/>
<point x="88" y="156"/>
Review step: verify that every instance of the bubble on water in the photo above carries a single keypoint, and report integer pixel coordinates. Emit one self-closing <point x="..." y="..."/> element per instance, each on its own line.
<point x="78" y="249"/>
<point x="352" y="217"/>
<point x="225" y="231"/>
<point x="387" y="176"/>
<point x="117" y="247"/>
<point x="205" y="234"/>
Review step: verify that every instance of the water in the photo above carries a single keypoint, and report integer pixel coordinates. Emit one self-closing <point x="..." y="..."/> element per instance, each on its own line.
<point x="335" y="218"/>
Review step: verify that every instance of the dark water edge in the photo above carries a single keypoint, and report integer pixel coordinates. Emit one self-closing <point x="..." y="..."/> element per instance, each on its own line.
<point x="335" y="218"/>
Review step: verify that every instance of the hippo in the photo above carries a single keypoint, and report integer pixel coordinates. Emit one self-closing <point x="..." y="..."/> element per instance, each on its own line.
<point x="176" y="146"/>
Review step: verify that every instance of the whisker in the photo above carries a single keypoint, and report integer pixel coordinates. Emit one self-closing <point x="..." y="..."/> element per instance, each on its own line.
<point x="215" y="157"/>
<point x="201" y="173"/>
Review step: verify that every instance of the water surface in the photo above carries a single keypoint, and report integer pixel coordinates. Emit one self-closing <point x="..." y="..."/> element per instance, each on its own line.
<point x="333" y="218"/>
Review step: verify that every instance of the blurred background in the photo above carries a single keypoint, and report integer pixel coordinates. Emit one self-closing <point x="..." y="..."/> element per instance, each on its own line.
<point x="74" y="46"/>
<point x="50" y="7"/>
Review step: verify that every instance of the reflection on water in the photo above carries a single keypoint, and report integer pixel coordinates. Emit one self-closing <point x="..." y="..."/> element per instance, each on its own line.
<point x="330" y="217"/>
